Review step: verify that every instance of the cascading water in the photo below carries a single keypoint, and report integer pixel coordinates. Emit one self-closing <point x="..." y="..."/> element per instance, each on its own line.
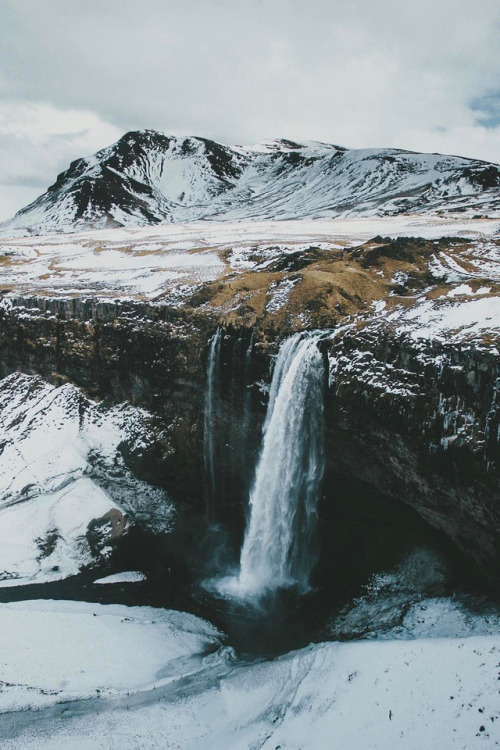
<point x="279" y="549"/>
<point x="211" y="400"/>
<point x="227" y="418"/>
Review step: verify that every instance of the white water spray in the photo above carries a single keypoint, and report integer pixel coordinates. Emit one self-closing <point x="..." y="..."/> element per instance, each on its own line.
<point x="279" y="549"/>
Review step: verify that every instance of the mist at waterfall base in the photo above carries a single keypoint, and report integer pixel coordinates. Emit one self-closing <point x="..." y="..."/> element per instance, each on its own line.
<point x="280" y="545"/>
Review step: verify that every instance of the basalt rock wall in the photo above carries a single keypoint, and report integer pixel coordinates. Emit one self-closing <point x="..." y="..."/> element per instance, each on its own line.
<point x="417" y="420"/>
<point x="152" y="357"/>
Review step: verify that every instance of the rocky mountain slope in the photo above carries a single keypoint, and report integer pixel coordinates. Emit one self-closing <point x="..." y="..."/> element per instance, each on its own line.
<point x="148" y="177"/>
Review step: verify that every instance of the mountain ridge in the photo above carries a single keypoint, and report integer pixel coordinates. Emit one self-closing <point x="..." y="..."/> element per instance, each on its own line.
<point x="148" y="177"/>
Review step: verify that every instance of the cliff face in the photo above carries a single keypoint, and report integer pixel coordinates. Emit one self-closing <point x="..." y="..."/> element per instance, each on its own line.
<point x="420" y="422"/>
<point x="416" y="420"/>
<point x="149" y="356"/>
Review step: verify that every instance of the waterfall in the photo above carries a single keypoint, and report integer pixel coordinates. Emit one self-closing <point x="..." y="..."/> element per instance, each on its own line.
<point x="279" y="548"/>
<point x="210" y="424"/>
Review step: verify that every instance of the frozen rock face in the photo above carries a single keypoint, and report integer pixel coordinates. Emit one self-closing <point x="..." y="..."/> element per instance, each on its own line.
<point x="415" y="389"/>
<point x="66" y="496"/>
<point x="148" y="356"/>
<point x="419" y="419"/>
<point x="148" y="177"/>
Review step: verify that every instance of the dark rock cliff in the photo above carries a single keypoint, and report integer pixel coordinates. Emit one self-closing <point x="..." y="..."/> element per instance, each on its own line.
<point x="419" y="420"/>
<point x="152" y="357"/>
<point x="416" y="420"/>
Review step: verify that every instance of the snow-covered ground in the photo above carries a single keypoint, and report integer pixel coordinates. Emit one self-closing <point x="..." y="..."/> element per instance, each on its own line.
<point x="44" y="539"/>
<point x="62" y="650"/>
<point x="128" y="576"/>
<point x="49" y="494"/>
<point x="461" y="301"/>
<point x="152" y="689"/>
<point x="168" y="261"/>
<point x="467" y="318"/>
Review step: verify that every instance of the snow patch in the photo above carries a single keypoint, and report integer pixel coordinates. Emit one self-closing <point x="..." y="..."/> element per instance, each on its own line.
<point x="52" y="440"/>
<point x="128" y="576"/>
<point x="51" y="650"/>
<point x="427" y="320"/>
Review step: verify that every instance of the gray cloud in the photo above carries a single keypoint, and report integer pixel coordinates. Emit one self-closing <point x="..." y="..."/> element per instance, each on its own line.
<point x="488" y="107"/>
<point x="420" y="75"/>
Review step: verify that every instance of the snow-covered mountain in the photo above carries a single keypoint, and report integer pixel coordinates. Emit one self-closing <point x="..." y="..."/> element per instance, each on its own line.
<point x="149" y="177"/>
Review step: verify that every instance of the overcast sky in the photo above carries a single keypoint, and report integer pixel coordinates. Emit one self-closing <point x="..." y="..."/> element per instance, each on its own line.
<point x="76" y="74"/>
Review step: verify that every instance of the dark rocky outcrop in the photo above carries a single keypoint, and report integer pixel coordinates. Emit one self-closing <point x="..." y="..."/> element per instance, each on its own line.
<point x="419" y="421"/>
<point x="152" y="357"/>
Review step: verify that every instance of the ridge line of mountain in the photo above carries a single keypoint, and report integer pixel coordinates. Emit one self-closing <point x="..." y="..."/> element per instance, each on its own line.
<point x="148" y="177"/>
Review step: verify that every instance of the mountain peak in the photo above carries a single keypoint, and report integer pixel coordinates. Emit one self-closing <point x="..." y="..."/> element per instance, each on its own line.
<point x="148" y="177"/>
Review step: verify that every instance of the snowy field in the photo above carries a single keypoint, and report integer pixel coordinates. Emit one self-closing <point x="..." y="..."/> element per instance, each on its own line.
<point x="54" y="650"/>
<point x="167" y="261"/>
<point x="150" y="683"/>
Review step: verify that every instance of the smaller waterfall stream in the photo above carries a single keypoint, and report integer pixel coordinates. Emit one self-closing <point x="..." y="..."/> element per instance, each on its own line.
<point x="211" y="399"/>
<point x="279" y="548"/>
